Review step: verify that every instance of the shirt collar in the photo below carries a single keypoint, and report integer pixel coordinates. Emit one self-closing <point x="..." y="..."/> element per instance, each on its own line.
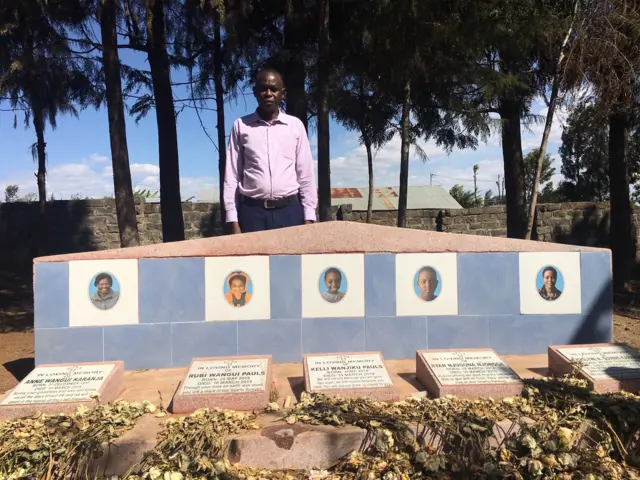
<point x="282" y="118"/>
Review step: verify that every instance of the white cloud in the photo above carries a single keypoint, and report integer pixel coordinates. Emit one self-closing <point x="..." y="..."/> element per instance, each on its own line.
<point x="89" y="179"/>
<point x="95" y="158"/>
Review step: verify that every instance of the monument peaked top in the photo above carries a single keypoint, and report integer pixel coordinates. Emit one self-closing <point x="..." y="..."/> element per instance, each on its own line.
<point x="328" y="237"/>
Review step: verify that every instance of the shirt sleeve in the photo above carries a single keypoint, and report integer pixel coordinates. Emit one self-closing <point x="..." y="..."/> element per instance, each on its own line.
<point x="306" y="177"/>
<point x="232" y="171"/>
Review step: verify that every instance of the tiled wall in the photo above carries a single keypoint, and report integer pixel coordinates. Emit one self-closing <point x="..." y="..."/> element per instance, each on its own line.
<point x="171" y="310"/>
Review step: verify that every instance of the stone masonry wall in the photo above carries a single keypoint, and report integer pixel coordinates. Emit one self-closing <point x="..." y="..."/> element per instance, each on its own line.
<point x="85" y="225"/>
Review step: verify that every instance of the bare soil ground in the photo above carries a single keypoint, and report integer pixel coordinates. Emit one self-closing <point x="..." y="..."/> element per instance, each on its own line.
<point x="16" y="324"/>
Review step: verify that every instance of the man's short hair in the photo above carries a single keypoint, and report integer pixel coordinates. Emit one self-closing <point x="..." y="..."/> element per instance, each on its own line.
<point x="273" y="71"/>
<point x="428" y="270"/>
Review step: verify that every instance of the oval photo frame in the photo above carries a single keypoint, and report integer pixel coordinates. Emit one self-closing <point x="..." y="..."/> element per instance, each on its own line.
<point x="549" y="283"/>
<point x="333" y="285"/>
<point x="104" y="290"/>
<point x="238" y="289"/>
<point x="427" y="283"/>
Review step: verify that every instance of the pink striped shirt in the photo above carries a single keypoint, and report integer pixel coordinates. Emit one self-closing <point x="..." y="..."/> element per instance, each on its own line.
<point x="269" y="160"/>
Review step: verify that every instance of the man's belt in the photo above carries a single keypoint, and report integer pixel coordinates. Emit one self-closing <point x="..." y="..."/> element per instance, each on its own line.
<point x="270" y="202"/>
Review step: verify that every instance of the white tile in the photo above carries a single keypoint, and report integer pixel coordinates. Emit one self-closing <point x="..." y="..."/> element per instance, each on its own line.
<point x="408" y="300"/>
<point x="350" y="294"/>
<point x="257" y="296"/>
<point x="567" y="264"/>
<point x="82" y="310"/>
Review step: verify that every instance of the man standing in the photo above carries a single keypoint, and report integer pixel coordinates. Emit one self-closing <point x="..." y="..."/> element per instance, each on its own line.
<point x="269" y="181"/>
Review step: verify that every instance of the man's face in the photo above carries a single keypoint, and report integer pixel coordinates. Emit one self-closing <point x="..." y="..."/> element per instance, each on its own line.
<point x="549" y="279"/>
<point x="103" y="286"/>
<point x="237" y="287"/>
<point x="269" y="92"/>
<point x="332" y="282"/>
<point x="427" y="282"/>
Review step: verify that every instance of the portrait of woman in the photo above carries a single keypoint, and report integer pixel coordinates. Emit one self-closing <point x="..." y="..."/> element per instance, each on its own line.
<point x="238" y="289"/>
<point x="549" y="283"/>
<point x="104" y="291"/>
<point x="332" y="285"/>
<point x="427" y="284"/>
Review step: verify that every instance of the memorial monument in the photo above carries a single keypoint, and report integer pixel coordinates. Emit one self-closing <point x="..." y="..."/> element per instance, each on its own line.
<point x="324" y="288"/>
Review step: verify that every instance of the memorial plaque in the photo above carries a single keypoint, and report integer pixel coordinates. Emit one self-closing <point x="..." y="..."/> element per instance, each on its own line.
<point x="349" y="375"/>
<point x="469" y="368"/>
<point x="606" y="367"/>
<point x="468" y="373"/>
<point x="237" y="383"/>
<point x="62" y="388"/>
<point x="600" y="363"/>
<point x="226" y="376"/>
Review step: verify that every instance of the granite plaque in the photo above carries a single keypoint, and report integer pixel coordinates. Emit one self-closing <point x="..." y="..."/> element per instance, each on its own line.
<point x="226" y="376"/>
<point x="604" y="362"/>
<point x="466" y="373"/>
<point x="347" y="371"/>
<point x="236" y="383"/>
<point x="469" y="368"/>
<point x="59" y="384"/>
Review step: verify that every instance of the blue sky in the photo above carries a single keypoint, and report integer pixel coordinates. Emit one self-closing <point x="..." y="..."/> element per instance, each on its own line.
<point x="79" y="152"/>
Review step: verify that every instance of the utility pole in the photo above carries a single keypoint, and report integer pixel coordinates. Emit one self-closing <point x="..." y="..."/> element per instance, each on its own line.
<point x="475" y="184"/>
<point x="499" y="192"/>
<point x="431" y="175"/>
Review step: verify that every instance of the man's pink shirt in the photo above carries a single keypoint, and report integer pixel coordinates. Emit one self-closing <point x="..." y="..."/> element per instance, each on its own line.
<point x="269" y="160"/>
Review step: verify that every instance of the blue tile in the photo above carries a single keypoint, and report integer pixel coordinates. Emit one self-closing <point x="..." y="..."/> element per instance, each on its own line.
<point x="330" y="335"/>
<point x="280" y="338"/>
<point x="51" y="295"/>
<point x="68" y="345"/>
<point x="206" y="339"/>
<point x="457" y="332"/>
<point x="171" y="290"/>
<point x="576" y="329"/>
<point x="285" y="270"/>
<point x="396" y="337"/>
<point x="380" y="285"/>
<point x="488" y="284"/>
<point x="597" y="295"/>
<point x="521" y="334"/>
<point x="139" y="346"/>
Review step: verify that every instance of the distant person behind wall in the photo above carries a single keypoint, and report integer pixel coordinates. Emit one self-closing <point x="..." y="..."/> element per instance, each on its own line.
<point x="439" y="222"/>
<point x="105" y="297"/>
<point x="549" y="279"/>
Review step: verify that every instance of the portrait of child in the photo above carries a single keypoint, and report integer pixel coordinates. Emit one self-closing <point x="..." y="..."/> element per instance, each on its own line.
<point x="238" y="289"/>
<point x="427" y="284"/>
<point x="333" y="285"/>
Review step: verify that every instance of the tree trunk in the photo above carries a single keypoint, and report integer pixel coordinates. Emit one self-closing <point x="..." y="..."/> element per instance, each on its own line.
<point x="621" y="237"/>
<point x="123" y="191"/>
<point x="170" y="202"/>
<point x="404" y="157"/>
<point x="547" y="126"/>
<point x="541" y="155"/>
<point x="294" y="70"/>
<point x="324" y="154"/>
<point x="218" y="62"/>
<point x="38" y="125"/>
<point x="367" y="145"/>
<point x="513" y="169"/>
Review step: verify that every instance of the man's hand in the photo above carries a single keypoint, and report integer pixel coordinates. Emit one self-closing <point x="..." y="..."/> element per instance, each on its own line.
<point x="235" y="228"/>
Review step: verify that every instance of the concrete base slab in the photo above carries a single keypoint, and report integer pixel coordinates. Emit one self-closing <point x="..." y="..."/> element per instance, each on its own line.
<point x="277" y="444"/>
